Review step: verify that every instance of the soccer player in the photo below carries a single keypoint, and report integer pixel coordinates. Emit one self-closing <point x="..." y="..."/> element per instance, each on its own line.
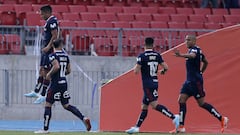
<point x="196" y="64"/>
<point x="58" y="87"/>
<point x="51" y="32"/>
<point x="148" y="63"/>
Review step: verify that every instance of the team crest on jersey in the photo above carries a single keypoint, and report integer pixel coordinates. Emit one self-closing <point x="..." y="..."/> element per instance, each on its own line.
<point x="54" y="25"/>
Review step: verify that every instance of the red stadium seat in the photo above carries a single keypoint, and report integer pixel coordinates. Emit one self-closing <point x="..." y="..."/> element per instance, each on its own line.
<point x="232" y="18"/>
<point x="121" y="24"/>
<point x="138" y="3"/>
<point x="179" y="18"/>
<point x="195" y="25"/>
<point x="234" y="11"/>
<point x="177" y="25"/>
<point x="95" y="9"/>
<point x="21" y="12"/>
<point x="202" y="11"/>
<point x="36" y="7"/>
<point x="149" y="10"/>
<point x="191" y="3"/>
<point x="7" y="7"/>
<point x="9" y="2"/>
<point x="197" y="18"/>
<point x="220" y="11"/>
<point x="80" y="44"/>
<point x="100" y="2"/>
<point x="212" y="26"/>
<point x="107" y="16"/>
<point x="186" y="11"/>
<point x="8" y="18"/>
<point x="215" y="18"/>
<point x="100" y="24"/>
<point x="43" y="2"/>
<point x="125" y="17"/>
<point x="60" y="8"/>
<point x="167" y="10"/>
<point x="119" y="3"/>
<point x="103" y="46"/>
<point x="84" y="24"/>
<point x="161" y="17"/>
<point x="126" y="48"/>
<point x="111" y="9"/>
<point x="156" y="24"/>
<point x="13" y="41"/>
<point x="77" y="8"/>
<point x="82" y="2"/>
<point x="131" y="10"/>
<point x="154" y="3"/>
<point x="137" y="24"/>
<point x="33" y="19"/>
<point x="27" y="2"/>
<point x="173" y="3"/>
<point x="71" y="16"/>
<point x="143" y="17"/>
<point x="64" y="2"/>
<point x="88" y="16"/>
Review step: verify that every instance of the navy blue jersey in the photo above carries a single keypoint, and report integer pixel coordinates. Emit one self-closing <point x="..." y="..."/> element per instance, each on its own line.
<point x="193" y="65"/>
<point x="149" y="61"/>
<point x="60" y="76"/>
<point x="51" y="24"/>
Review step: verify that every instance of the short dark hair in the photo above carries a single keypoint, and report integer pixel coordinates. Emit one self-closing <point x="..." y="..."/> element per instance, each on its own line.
<point x="46" y="8"/>
<point x="57" y="43"/>
<point x="149" y="41"/>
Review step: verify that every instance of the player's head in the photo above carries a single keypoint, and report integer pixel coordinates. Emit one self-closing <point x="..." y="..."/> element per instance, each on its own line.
<point x="46" y="11"/>
<point x="58" y="43"/>
<point x="190" y="40"/>
<point x="149" y="42"/>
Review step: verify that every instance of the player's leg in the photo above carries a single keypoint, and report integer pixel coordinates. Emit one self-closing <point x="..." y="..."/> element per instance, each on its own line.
<point x="65" y="103"/>
<point x="46" y="67"/>
<point x="199" y="96"/>
<point x="50" y="99"/>
<point x="141" y="118"/>
<point x="38" y="86"/>
<point x="182" y="101"/>
<point x="212" y="110"/>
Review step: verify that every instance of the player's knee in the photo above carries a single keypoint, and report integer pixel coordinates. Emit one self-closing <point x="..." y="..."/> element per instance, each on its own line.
<point x="65" y="106"/>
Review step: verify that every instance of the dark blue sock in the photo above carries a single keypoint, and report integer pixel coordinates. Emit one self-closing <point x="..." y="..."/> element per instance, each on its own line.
<point x="39" y="84"/>
<point x="45" y="86"/>
<point x="142" y="117"/>
<point x="212" y="110"/>
<point x="165" y="111"/>
<point x="75" y="111"/>
<point x="183" y="111"/>
<point x="47" y="117"/>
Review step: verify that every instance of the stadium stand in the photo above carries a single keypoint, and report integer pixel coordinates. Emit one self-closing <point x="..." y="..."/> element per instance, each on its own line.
<point x="136" y="14"/>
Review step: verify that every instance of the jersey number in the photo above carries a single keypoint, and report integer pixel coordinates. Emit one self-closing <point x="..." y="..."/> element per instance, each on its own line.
<point x="153" y="68"/>
<point x="63" y="67"/>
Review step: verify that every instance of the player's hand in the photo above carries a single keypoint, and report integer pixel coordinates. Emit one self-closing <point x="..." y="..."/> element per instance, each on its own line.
<point x="176" y="52"/>
<point x="162" y="72"/>
<point x="45" y="49"/>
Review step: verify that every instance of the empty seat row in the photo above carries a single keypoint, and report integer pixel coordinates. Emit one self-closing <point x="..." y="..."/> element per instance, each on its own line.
<point x="175" y="3"/>
<point x="18" y="8"/>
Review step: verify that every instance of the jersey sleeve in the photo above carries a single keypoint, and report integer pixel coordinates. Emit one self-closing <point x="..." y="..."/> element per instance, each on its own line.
<point x="139" y="60"/>
<point x="53" y="24"/>
<point x="52" y="57"/>
<point x="160" y="59"/>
